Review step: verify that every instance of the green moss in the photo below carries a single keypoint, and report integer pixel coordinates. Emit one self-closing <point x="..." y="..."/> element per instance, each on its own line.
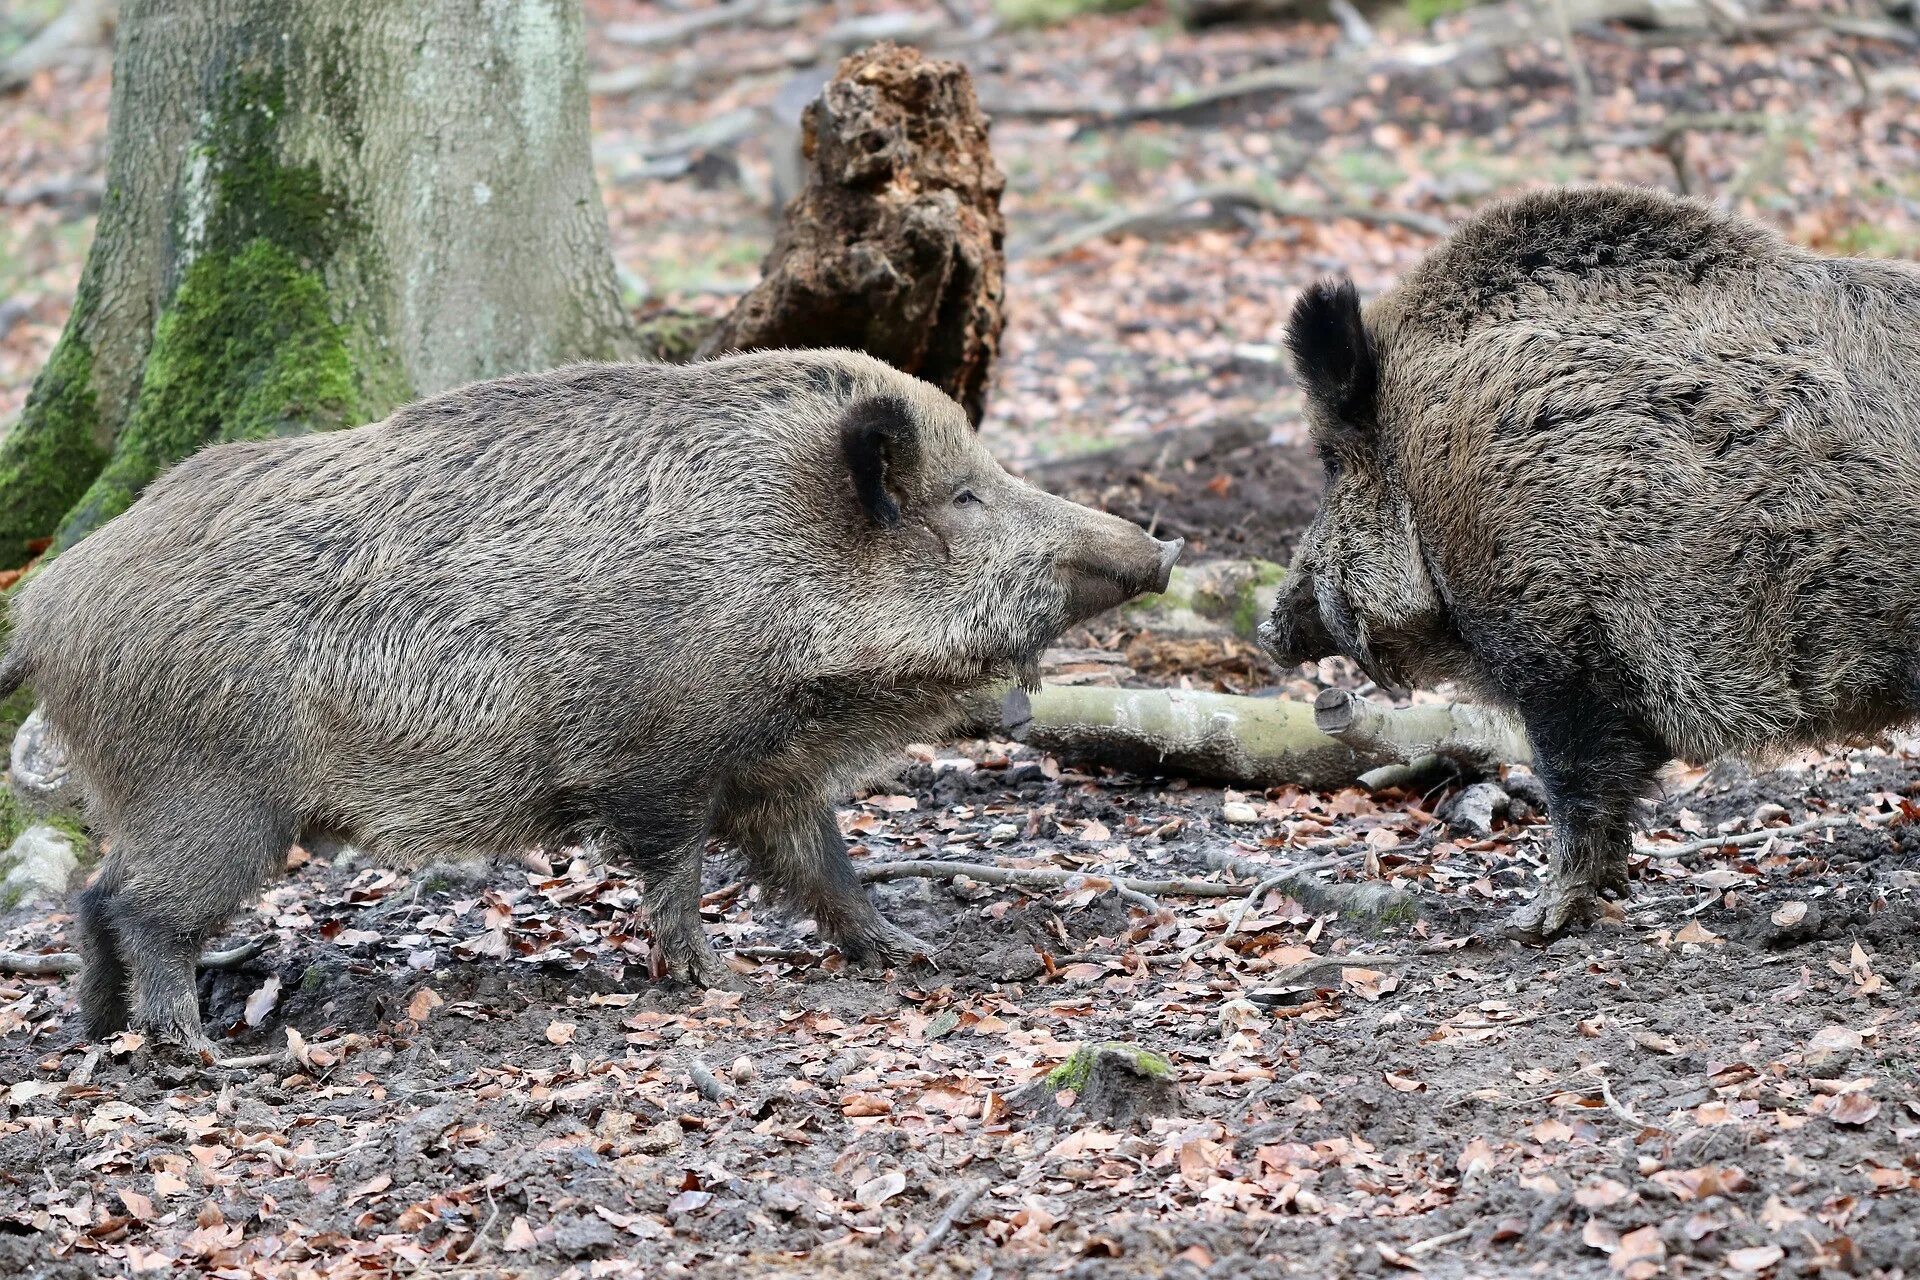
<point x="248" y="349"/>
<point x="1072" y="1074"/>
<point x="256" y="196"/>
<point x="1399" y="913"/>
<point x="1425" y="11"/>
<point x="313" y="977"/>
<point x="1041" y="13"/>
<point x="13" y="818"/>
<point x="1253" y="603"/>
<point x="51" y="455"/>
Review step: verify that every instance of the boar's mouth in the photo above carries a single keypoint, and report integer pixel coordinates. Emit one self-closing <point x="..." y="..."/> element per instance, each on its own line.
<point x="1312" y="620"/>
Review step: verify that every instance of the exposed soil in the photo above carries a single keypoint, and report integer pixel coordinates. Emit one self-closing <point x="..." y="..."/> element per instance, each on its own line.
<point x="1242" y="497"/>
<point x="542" y="1091"/>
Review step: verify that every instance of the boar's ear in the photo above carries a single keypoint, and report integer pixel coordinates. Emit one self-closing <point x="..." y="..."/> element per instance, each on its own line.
<point x="880" y="440"/>
<point x="1333" y="356"/>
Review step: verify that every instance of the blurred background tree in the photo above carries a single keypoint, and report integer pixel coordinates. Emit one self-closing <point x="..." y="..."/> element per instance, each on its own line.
<point x="314" y="212"/>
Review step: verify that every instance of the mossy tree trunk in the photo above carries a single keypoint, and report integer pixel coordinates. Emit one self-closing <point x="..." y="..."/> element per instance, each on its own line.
<point x="315" y="211"/>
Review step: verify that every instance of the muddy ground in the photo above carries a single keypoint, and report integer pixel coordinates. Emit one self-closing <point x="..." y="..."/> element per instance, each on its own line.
<point x="1726" y="1080"/>
<point x="514" y="1093"/>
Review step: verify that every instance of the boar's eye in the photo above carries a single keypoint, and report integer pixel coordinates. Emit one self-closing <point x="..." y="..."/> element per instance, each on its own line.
<point x="965" y="496"/>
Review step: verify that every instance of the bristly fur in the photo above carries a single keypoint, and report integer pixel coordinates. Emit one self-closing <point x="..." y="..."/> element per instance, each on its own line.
<point x="633" y="605"/>
<point x="1333" y="356"/>
<point x="877" y="440"/>
<point x="13" y="672"/>
<point x="1641" y="471"/>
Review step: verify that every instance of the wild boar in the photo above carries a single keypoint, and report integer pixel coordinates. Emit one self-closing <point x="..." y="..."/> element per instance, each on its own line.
<point x="1642" y="473"/>
<point x="627" y="605"/>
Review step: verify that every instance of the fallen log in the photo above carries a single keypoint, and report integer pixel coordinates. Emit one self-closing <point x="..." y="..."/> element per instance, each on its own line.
<point x="1223" y="198"/>
<point x="1468" y="735"/>
<point x="1259" y="742"/>
<point x="1214" y="737"/>
<point x="82" y="26"/>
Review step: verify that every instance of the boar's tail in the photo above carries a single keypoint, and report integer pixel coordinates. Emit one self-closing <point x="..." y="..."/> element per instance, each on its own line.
<point x="13" y="672"/>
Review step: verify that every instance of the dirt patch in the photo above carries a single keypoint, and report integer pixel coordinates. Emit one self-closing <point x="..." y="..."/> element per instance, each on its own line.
<point x="1224" y="488"/>
<point x="521" y="1093"/>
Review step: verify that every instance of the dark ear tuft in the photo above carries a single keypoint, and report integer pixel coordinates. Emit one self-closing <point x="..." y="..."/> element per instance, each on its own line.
<point x="1333" y="356"/>
<point x="879" y="438"/>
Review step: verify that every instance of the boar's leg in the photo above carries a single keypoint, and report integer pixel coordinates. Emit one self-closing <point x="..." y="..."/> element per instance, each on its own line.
<point x="169" y="885"/>
<point x="103" y="975"/>
<point x="1597" y="766"/>
<point x="800" y="856"/>
<point x="668" y="849"/>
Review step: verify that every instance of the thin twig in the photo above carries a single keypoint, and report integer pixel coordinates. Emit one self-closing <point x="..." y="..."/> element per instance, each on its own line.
<point x="1042" y="878"/>
<point x="1437" y="1242"/>
<point x="1619" y="1108"/>
<point x="962" y="1201"/>
<point x="1221" y="198"/>
<point x="279" y="1056"/>
<point x="1582" y="82"/>
<point x="58" y="963"/>
<point x="1765" y="834"/>
<point x="466" y="1254"/>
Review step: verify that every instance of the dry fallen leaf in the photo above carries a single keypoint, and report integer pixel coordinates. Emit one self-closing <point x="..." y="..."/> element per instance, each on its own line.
<point x="1641" y="1245"/>
<point x="1789" y="914"/>
<point x="1601" y="1193"/>
<point x="519" y="1237"/>
<point x="424" y="1002"/>
<point x="1654" y="1043"/>
<point x="261" y="1002"/>
<point x="1758" y="1258"/>
<point x="1853" y="1109"/>
<point x="1697" y="933"/>
<point x="875" y="1192"/>
<point x="560" y="1032"/>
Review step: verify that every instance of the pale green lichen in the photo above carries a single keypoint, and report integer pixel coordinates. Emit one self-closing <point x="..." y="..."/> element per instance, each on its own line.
<point x="1075" y="1071"/>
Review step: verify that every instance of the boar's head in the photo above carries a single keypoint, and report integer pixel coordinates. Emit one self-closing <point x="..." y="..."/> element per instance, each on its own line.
<point x="979" y="571"/>
<point x="1360" y="583"/>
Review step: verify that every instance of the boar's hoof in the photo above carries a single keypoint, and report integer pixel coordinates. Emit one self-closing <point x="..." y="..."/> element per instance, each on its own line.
<point x="882" y="946"/>
<point x="699" y="966"/>
<point x="1556" y="909"/>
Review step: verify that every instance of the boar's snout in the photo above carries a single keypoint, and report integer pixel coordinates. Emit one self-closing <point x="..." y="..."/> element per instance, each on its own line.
<point x="1295" y="632"/>
<point x="1112" y="569"/>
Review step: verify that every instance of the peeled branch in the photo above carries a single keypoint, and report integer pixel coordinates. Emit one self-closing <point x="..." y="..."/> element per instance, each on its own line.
<point x="1215" y="737"/>
<point x="1256" y="742"/>
<point x="1474" y="737"/>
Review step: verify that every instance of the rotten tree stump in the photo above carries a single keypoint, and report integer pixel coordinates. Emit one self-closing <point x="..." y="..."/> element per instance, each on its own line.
<point x="896" y="245"/>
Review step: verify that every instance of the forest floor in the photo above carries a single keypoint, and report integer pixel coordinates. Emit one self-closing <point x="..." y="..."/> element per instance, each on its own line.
<point x="1724" y="1081"/>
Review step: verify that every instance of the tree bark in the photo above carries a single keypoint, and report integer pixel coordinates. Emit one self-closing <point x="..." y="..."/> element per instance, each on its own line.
<point x="314" y="212"/>
<point x="896" y="246"/>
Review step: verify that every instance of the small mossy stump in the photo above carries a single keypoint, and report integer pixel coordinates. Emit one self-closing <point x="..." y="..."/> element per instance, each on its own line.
<point x="1110" y="1083"/>
<point x="896" y="245"/>
<point x="314" y="212"/>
